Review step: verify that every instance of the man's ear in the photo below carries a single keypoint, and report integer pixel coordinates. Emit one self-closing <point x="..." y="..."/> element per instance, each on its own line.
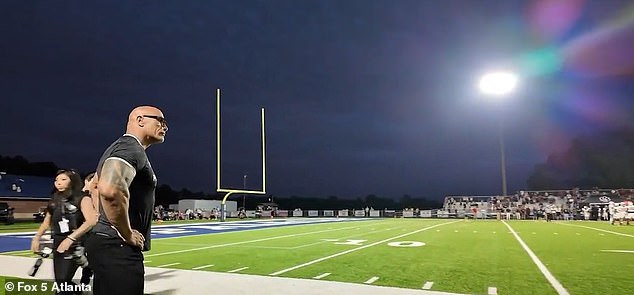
<point x="139" y="121"/>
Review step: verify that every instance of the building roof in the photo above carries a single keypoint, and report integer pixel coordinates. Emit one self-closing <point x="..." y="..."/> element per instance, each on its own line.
<point x="30" y="186"/>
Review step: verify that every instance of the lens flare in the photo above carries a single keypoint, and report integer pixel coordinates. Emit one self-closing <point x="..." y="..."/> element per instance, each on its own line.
<point x="606" y="51"/>
<point x="552" y="19"/>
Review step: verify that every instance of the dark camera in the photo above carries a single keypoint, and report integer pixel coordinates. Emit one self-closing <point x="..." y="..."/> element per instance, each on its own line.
<point x="44" y="253"/>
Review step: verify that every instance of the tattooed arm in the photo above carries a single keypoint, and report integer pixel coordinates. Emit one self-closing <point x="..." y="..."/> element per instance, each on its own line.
<point x="115" y="178"/>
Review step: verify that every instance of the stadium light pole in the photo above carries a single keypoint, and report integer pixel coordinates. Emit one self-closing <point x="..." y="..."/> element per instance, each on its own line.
<point x="498" y="85"/>
<point x="244" y="187"/>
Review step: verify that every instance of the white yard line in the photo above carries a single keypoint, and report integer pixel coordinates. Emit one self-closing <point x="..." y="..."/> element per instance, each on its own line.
<point x="264" y="247"/>
<point x="238" y="269"/>
<point x="551" y="279"/>
<point x="244" y="242"/>
<point x="321" y="276"/>
<point x="307" y="245"/>
<point x="598" y="229"/>
<point x="618" y="251"/>
<point x="172" y="243"/>
<point x="428" y="285"/>
<point x="169" y="264"/>
<point x="201" y="267"/>
<point x="345" y="238"/>
<point x="356" y="249"/>
<point x="371" y="280"/>
<point x="492" y="291"/>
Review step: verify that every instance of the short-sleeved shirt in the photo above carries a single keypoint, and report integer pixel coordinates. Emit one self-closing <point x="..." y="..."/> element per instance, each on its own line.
<point x="128" y="149"/>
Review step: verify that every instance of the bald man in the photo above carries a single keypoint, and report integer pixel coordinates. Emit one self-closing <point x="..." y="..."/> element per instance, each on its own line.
<point x="126" y="184"/>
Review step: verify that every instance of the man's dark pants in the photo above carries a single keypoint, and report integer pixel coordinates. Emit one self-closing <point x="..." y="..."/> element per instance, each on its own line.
<point x="118" y="267"/>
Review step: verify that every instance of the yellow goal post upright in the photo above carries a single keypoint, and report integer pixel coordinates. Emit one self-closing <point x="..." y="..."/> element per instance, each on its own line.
<point x="229" y="191"/>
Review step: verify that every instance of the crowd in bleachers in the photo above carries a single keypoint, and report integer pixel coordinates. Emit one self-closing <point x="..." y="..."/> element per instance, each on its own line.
<point x="554" y="204"/>
<point x="161" y="213"/>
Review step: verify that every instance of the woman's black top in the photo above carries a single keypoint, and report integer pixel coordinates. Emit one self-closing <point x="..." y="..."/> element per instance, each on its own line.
<point x="66" y="209"/>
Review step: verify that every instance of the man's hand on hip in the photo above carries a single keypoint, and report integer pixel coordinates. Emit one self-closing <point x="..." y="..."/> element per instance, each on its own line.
<point x="136" y="239"/>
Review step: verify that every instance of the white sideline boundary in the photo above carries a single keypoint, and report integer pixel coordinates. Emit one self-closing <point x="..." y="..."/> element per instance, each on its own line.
<point x="551" y="279"/>
<point x="161" y="281"/>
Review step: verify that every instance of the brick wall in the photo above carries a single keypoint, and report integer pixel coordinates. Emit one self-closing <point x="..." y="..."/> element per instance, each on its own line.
<point x="24" y="209"/>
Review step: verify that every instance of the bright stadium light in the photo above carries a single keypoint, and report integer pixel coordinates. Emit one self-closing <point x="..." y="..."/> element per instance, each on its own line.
<point x="497" y="83"/>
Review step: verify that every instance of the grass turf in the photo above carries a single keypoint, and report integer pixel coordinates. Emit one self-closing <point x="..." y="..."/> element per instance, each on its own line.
<point x="457" y="255"/>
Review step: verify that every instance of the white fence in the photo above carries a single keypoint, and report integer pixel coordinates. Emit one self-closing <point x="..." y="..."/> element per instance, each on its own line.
<point x="386" y="213"/>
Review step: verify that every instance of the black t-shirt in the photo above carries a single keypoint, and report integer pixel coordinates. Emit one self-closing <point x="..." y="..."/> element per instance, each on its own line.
<point x="128" y="149"/>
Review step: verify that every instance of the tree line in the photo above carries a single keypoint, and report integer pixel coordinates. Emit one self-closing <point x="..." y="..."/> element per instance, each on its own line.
<point x="166" y="195"/>
<point x="604" y="160"/>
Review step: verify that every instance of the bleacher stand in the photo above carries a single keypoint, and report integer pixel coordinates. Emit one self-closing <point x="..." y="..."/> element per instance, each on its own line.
<point x="550" y="204"/>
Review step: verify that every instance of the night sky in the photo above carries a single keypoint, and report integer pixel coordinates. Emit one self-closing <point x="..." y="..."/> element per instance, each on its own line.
<point x="361" y="97"/>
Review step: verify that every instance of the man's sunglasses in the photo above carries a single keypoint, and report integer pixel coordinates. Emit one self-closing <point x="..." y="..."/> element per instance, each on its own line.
<point x="157" y="118"/>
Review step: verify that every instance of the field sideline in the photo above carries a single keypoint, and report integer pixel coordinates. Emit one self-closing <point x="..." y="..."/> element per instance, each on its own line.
<point x="457" y="256"/>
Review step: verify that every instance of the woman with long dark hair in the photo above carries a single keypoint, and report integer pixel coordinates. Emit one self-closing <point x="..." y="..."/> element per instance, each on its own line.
<point x="69" y="214"/>
<point x="77" y="238"/>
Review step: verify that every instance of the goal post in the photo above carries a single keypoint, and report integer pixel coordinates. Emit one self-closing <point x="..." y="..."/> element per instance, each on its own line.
<point x="230" y="191"/>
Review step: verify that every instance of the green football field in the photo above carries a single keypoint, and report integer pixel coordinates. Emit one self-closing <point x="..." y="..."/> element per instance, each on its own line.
<point x="458" y="256"/>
